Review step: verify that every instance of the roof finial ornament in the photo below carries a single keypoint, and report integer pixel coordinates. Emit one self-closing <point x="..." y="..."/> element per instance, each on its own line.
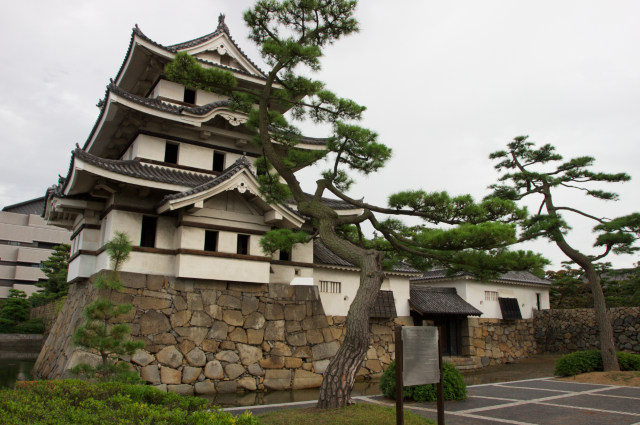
<point x="221" y="25"/>
<point x="100" y="103"/>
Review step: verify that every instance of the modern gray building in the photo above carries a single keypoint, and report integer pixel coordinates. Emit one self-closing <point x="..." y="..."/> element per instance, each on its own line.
<point x="25" y="242"/>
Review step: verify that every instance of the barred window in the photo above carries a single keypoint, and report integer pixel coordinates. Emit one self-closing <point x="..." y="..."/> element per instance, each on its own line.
<point x="332" y="287"/>
<point x="490" y="296"/>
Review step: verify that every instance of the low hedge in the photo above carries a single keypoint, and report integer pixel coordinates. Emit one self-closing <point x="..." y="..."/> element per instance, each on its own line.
<point x="591" y="361"/>
<point x="73" y="402"/>
<point x="31" y="326"/>
<point x="454" y="386"/>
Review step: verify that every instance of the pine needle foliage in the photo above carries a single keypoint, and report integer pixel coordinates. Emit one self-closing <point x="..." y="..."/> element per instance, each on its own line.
<point x="98" y="332"/>
<point x="56" y="268"/>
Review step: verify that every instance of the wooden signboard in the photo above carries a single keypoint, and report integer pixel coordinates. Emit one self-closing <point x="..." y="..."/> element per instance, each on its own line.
<point x="418" y="362"/>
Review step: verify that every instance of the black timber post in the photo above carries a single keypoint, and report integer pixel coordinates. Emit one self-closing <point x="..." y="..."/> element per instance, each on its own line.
<point x="440" y="385"/>
<point x="399" y="383"/>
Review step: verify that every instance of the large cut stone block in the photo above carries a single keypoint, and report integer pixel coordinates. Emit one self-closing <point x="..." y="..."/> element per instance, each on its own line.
<point x="274" y="331"/>
<point x="209" y="345"/>
<point x="234" y="370"/>
<point x="281" y="291"/>
<point x="249" y="354"/>
<point x="227" y="356"/>
<point x="208" y="297"/>
<point x="229" y="302"/>
<point x="142" y="358"/>
<point x="153" y="322"/>
<point x="200" y="318"/>
<point x="321" y="365"/>
<point x="255" y="337"/>
<point x="226" y="387"/>
<point x="233" y="317"/>
<point x="273" y="362"/>
<point x="303" y="379"/>
<point x="255" y="320"/>
<point x="170" y="356"/>
<point x="315" y="322"/>
<point x="297" y="340"/>
<point x="180" y="319"/>
<point x="314" y="336"/>
<point x="307" y="293"/>
<point x="197" y="335"/>
<point x="278" y="380"/>
<point x="380" y="330"/>
<point x="151" y="303"/>
<point x="292" y="362"/>
<point x="280" y="349"/>
<point x="205" y="387"/>
<point x="273" y="312"/>
<point x="190" y="374"/>
<point x="170" y="376"/>
<point x="182" y="389"/>
<point x="249" y="304"/>
<point x="295" y="312"/>
<point x="194" y="302"/>
<point x="255" y="369"/>
<point x="325" y="350"/>
<point x="213" y="370"/>
<point x="247" y="383"/>
<point x="302" y="352"/>
<point x="151" y="374"/>
<point x="215" y="311"/>
<point x="218" y="331"/>
<point x="238" y="335"/>
<point x="196" y="357"/>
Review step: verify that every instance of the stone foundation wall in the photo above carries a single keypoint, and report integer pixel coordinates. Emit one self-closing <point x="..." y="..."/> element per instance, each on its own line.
<point x="48" y="313"/>
<point x="218" y="337"/>
<point x="565" y="331"/>
<point x="497" y="341"/>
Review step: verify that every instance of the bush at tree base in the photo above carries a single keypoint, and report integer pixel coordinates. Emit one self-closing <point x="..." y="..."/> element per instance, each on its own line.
<point x="73" y="402"/>
<point x="591" y="361"/>
<point x="454" y="386"/>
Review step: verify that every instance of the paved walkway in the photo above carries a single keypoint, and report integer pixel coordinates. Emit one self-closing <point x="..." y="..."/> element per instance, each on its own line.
<point x="530" y="402"/>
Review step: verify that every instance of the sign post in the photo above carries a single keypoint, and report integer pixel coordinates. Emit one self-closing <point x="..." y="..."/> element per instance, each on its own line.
<point x="418" y="362"/>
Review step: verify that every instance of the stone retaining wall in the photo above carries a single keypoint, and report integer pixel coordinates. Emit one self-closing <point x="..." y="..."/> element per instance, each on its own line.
<point x="12" y="344"/>
<point x="218" y="337"/>
<point x="48" y="313"/>
<point x="497" y="341"/>
<point x="565" y="331"/>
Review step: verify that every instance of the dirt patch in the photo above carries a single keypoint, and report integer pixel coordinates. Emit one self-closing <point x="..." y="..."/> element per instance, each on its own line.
<point x="630" y="379"/>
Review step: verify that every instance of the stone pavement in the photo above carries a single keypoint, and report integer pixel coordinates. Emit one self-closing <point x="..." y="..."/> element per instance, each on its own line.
<point x="530" y="402"/>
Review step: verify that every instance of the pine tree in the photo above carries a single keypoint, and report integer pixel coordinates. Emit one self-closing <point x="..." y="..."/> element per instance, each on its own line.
<point x="16" y="308"/>
<point x="522" y="163"/>
<point x="56" y="268"/>
<point x="291" y="36"/>
<point x="108" y="340"/>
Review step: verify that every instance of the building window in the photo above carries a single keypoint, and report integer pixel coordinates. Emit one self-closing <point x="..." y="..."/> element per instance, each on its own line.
<point x="148" y="236"/>
<point x="218" y="161"/>
<point x="189" y="96"/>
<point x="285" y="256"/>
<point x="225" y="60"/>
<point x="331" y="287"/>
<point x="490" y="296"/>
<point x="47" y="245"/>
<point x="243" y="244"/>
<point x="538" y="301"/>
<point x="171" y="153"/>
<point x="13" y="243"/>
<point x="210" y="241"/>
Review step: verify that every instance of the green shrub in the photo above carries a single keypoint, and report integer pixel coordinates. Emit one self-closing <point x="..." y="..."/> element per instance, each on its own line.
<point x="7" y="326"/>
<point x="31" y="326"/>
<point x="454" y="385"/>
<point x="73" y="402"/>
<point x="591" y="361"/>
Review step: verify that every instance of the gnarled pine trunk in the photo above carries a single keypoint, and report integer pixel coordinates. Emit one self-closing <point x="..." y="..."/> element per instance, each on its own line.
<point x="340" y="375"/>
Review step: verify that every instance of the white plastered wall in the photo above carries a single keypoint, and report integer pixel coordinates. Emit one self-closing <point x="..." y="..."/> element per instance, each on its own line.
<point x="473" y="292"/>
<point x="195" y="156"/>
<point x="236" y="270"/>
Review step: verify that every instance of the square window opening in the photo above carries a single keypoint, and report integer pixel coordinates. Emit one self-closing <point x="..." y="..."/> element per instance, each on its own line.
<point x="189" y="96"/>
<point x="490" y="296"/>
<point x="225" y="60"/>
<point x="285" y="256"/>
<point x="210" y="241"/>
<point x="218" y="161"/>
<point x="148" y="236"/>
<point x="330" y="287"/>
<point x="171" y="153"/>
<point x="243" y="244"/>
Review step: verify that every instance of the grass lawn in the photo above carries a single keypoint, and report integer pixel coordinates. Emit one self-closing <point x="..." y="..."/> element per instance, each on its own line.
<point x="357" y="414"/>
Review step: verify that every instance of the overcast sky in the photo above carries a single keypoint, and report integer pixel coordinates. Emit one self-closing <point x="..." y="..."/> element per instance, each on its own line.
<point x="445" y="83"/>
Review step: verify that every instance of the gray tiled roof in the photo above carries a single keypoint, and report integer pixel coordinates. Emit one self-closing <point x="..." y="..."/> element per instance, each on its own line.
<point x="336" y="204"/>
<point x="513" y="276"/>
<point x="33" y="206"/>
<point x="322" y="255"/>
<point x="428" y="300"/>
<point x="165" y="106"/>
<point x="139" y="170"/>
<point x="240" y="164"/>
